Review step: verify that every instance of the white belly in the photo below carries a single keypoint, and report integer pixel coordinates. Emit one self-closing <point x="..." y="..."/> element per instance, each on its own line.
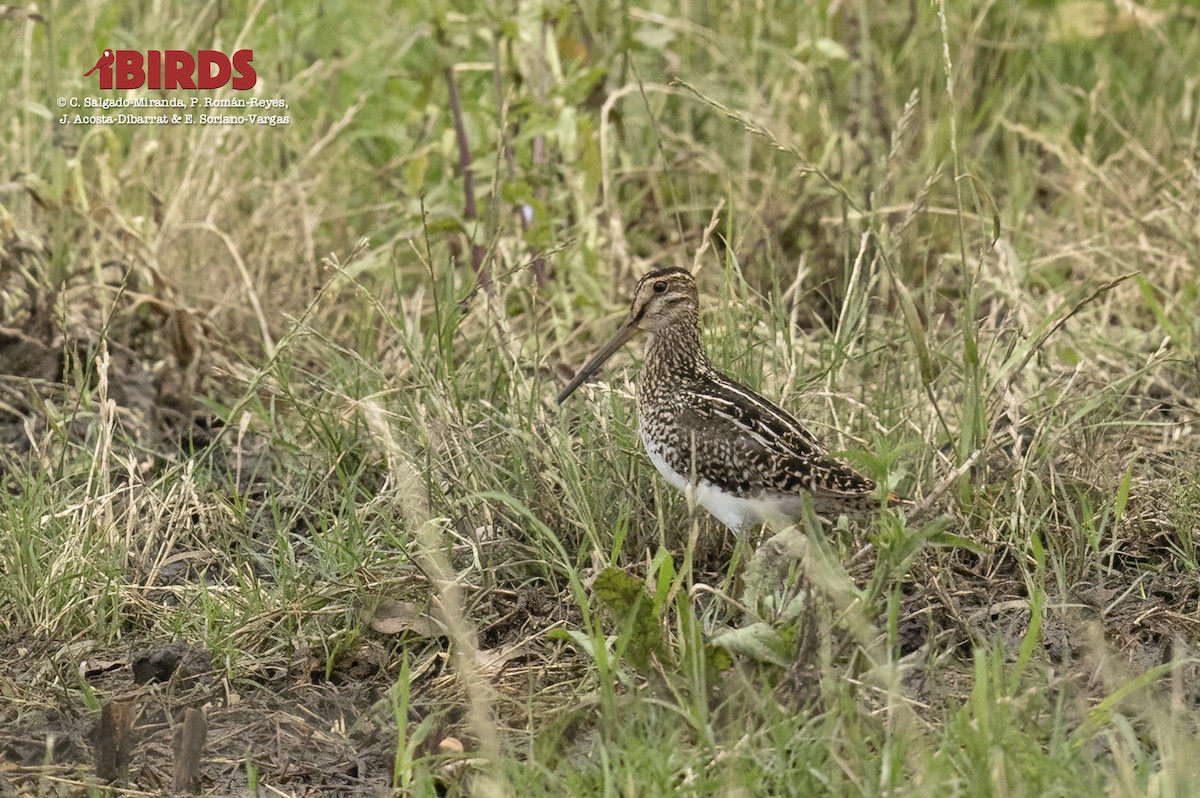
<point x="736" y="512"/>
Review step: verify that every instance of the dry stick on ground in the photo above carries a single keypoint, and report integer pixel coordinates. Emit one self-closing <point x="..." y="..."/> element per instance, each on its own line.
<point x="188" y="745"/>
<point x="464" y="164"/>
<point x="114" y="741"/>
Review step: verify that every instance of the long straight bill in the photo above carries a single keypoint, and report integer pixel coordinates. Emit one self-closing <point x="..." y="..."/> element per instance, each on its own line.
<point x="628" y="330"/>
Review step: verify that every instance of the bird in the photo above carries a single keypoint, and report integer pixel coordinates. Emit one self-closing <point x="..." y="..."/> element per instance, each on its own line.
<point x="747" y="461"/>
<point x="105" y="60"/>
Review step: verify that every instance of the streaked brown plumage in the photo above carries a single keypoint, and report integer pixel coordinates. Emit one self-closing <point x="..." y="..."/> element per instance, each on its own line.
<point x="747" y="460"/>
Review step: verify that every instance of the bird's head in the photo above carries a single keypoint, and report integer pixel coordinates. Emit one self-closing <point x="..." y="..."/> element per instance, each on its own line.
<point x="662" y="298"/>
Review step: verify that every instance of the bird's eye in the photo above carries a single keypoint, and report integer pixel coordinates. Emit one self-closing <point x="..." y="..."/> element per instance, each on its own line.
<point x="660" y="286"/>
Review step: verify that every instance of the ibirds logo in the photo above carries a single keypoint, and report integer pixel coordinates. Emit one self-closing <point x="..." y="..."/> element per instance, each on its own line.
<point x="174" y="69"/>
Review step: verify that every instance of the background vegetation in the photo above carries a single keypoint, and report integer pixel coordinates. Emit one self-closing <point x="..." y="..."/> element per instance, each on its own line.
<point x="280" y="399"/>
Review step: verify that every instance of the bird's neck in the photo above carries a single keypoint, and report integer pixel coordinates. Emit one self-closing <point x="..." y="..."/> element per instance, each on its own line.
<point x="674" y="355"/>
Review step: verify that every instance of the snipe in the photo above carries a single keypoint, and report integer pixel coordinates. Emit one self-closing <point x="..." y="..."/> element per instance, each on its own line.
<point x="747" y="460"/>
